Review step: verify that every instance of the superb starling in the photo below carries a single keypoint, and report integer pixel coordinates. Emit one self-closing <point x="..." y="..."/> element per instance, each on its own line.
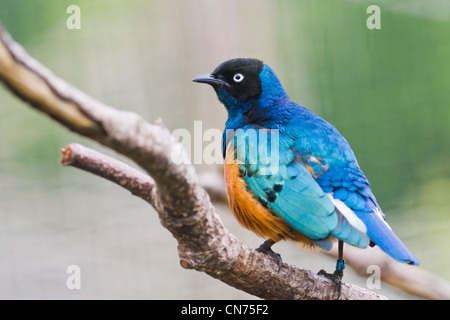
<point x="290" y="174"/>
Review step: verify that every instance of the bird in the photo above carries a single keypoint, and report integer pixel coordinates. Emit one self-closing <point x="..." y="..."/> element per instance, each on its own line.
<point x="290" y="174"/>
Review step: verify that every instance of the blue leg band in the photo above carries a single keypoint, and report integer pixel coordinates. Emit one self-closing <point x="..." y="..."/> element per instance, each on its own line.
<point x="340" y="265"/>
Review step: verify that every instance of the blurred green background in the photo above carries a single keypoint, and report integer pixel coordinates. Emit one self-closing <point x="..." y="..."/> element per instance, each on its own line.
<point x="387" y="91"/>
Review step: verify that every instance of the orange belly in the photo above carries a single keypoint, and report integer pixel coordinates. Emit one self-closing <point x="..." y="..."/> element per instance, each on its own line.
<point x="251" y="213"/>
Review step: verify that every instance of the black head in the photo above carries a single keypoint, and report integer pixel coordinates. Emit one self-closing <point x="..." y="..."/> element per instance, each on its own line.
<point x="237" y="77"/>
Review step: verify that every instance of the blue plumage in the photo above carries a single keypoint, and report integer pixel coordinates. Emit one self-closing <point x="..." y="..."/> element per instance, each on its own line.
<point x="316" y="185"/>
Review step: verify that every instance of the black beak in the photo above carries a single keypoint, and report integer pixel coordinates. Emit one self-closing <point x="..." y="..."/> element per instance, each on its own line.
<point x="210" y="79"/>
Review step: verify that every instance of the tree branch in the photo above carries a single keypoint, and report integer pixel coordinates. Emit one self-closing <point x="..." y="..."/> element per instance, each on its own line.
<point x="138" y="183"/>
<point x="184" y="208"/>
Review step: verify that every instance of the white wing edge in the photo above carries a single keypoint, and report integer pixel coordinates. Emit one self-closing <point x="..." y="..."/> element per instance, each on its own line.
<point x="348" y="213"/>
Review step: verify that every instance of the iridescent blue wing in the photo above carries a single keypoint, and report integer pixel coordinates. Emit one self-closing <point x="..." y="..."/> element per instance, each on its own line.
<point x="281" y="179"/>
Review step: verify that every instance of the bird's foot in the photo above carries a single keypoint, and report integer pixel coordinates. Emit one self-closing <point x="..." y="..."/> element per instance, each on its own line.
<point x="336" y="277"/>
<point x="266" y="248"/>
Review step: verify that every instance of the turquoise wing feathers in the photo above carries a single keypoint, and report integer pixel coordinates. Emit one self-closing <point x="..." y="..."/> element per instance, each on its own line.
<point x="279" y="179"/>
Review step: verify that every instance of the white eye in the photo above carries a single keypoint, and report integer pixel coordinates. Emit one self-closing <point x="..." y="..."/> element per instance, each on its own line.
<point x="238" y="77"/>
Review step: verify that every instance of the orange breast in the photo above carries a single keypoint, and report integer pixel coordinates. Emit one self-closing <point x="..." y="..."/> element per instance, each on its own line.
<point x="251" y="213"/>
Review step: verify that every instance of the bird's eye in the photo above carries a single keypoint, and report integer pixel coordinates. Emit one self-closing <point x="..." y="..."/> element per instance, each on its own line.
<point x="238" y="77"/>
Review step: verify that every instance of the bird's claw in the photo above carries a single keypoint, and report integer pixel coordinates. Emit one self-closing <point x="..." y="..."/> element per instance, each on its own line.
<point x="266" y="249"/>
<point x="336" y="277"/>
